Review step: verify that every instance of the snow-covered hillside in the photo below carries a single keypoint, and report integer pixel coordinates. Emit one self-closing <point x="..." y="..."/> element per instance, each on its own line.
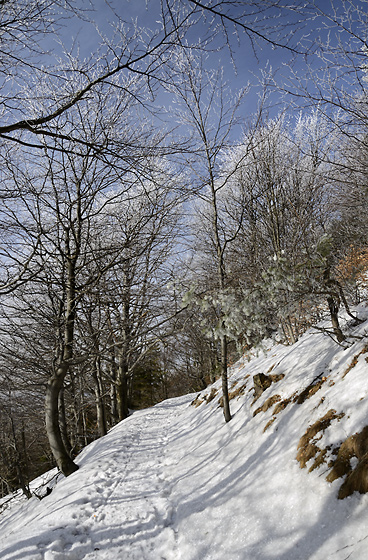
<point x="175" y="482"/>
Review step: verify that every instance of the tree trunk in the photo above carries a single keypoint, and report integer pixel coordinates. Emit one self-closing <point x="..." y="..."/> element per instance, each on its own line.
<point x="18" y="464"/>
<point x="122" y="391"/>
<point x="334" y="310"/>
<point x="225" y="389"/>
<point x="114" y="416"/>
<point x="62" y="458"/>
<point x="223" y="338"/>
<point x="100" y="412"/>
<point x="333" y="302"/>
<point x="56" y="381"/>
<point x="100" y="405"/>
<point x="288" y="330"/>
<point x="63" y="423"/>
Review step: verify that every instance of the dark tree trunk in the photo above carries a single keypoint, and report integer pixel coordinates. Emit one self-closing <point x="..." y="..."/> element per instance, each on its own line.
<point x="225" y="388"/>
<point x="122" y="390"/>
<point x="333" y="302"/>
<point x="100" y="404"/>
<point x="62" y="458"/>
<point x="223" y="338"/>
<point x="334" y="310"/>
<point x="63" y="423"/>
<point x="18" y="464"/>
<point x="56" y="381"/>
<point x="114" y="417"/>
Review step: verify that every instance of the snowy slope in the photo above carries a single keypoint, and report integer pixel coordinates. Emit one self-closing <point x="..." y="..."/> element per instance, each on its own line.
<point x="175" y="482"/>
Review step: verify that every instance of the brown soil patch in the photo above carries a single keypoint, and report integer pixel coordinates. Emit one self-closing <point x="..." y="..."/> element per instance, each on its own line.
<point x="211" y="395"/>
<point x="267" y="404"/>
<point x="200" y="399"/>
<point x="197" y="401"/>
<point x="309" y="391"/>
<point x="261" y="382"/>
<point x="269" y="423"/>
<point x="357" y="480"/>
<point x="320" y="458"/>
<point x="307" y="447"/>
<point x="282" y="405"/>
<point x="341" y="465"/>
<point x="232" y="394"/>
<point x="238" y="392"/>
<point x="355" y="361"/>
<point x="351" y="365"/>
<point x="276" y="377"/>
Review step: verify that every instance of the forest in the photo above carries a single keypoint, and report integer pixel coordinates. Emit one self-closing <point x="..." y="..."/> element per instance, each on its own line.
<point x="152" y="229"/>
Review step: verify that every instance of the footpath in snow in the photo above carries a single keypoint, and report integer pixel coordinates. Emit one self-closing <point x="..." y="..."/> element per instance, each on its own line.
<point x="116" y="506"/>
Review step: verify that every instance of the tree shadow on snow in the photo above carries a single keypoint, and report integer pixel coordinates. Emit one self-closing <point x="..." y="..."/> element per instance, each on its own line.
<point x="295" y="543"/>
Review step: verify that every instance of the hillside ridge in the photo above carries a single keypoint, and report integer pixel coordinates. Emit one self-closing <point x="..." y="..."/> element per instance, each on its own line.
<point x="176" y="482"/>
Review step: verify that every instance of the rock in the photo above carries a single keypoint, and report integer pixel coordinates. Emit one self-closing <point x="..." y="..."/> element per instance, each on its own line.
<point x="261" y="383"/>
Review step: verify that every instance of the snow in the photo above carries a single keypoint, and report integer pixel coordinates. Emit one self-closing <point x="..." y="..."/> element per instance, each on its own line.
<point x="176" y="482"/>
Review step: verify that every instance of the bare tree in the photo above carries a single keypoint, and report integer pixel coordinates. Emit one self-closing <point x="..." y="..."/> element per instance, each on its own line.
<point x="207" y="112"/>
<point x="125" y="51"/>
<point x="280" y="195"/>
<point x="67" y="192"/>
<point x="24" y="448"/>
<point x="146" y="226"/>
<point x="34" y="59"/>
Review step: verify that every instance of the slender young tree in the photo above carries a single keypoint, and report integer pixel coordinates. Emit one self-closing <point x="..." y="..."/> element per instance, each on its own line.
<point x="206" y="110"/>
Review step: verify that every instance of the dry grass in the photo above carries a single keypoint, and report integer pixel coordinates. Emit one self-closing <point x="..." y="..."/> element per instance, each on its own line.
<point x="238" y="392"/>
<point x="282" y="405"/>
<point x="269" y="423"/>
<point x="235" y="393"/>
<point x="211" y="395"/>
<point x="307" y="447"/>
<point x="277" y="377"/>
<point x="309" y="391"/>
<point x="267" y="404"/>
<point x="320" y="458"/>
<point x="355" y="361"/>
<point x="197" y="401"/>
<point x="200" y="399"/>
<point x="262" y="382"/>
<point x="356" y="479"/>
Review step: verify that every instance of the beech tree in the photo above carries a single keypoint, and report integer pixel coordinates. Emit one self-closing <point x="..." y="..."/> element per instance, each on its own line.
<point x="133" y="297"/>
<point x="63" y="112"/>
<point x="34" y="28"/>
<point x="148" y="234"/>
<point x="66" y="195"/>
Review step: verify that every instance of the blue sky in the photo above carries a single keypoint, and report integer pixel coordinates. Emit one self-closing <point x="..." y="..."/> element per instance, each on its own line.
<point x="249" y="62"/>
